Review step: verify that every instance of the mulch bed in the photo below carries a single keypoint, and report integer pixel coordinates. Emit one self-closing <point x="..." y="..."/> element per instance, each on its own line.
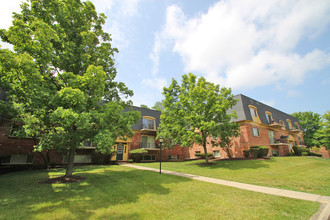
<point x="64" y="179"/>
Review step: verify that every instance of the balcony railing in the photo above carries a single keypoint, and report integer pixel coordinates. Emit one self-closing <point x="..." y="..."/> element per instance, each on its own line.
<point x="274" y="124"/>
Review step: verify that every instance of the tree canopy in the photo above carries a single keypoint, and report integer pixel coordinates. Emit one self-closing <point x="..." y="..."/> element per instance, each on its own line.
<point x="323" y="134"/>
<point x="195" y="112"/>
<point x="60" y="77"/>
<point x="310" y="123"/>
<point x="158" y="106"/>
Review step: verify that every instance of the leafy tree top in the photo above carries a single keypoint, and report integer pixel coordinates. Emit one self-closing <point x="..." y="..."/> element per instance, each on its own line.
<point x="61" y="76"/>
<point x="197" y="110"/>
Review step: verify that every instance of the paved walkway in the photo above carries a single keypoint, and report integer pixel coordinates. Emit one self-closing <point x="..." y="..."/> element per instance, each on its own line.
<point x="323" y="213"/>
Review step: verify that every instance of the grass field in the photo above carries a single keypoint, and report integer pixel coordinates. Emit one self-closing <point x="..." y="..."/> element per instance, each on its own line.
<point x="116" y="192"/>
<point x="306" y="174"/>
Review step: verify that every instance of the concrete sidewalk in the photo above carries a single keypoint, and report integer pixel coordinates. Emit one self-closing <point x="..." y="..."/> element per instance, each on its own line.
<point x="323" y="213"/>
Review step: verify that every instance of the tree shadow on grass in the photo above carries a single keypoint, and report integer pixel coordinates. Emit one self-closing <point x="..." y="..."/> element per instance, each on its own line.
<point x="103" y="191"/>
<point x="236" y="164"/>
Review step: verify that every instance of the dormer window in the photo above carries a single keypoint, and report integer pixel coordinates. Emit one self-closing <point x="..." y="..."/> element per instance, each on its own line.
<point x="149" y="123"/>
<point x="297" y="124"/>
<point x="289" y="123"/>
<point x="269" y="117"/>
<point x="254" y="114"/>
<point x="281" y="122"/>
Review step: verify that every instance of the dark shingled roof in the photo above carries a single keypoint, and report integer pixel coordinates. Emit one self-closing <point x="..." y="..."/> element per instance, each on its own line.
<point x="243" y="111"/>
<point x="145" y="112"/>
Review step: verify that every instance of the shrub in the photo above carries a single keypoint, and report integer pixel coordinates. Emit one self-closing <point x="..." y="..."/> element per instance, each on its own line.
<point x="254" y="152"/>
<point x="299" y="150"/>
<point x="259" y="151"/>
<point x="315" y="154"/>
<point x="137" y="154"/>
<point x="246" y="153"/>
<point x="202" y="155"/>
<point x="304" y="153"/>
<point x="290" y="154"/>
<point x="130" y="161"/>
<point x="263" y="151"/>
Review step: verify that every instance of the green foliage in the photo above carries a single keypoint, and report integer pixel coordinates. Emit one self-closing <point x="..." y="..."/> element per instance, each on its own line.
<point x="304" y="153"/>
<point x="298" y="151"/>
<point x="246" y="153"/>
<point x="314" y="154"/>
<point x="202" y="155"/>
<point x="158" y="106"/>
<point x="259" y="151"/>
<point x="323" y="134"/>
<point x="195" y="111"/>
<point x="137" y="154"/>
<point x="61" y="77"/>
<point x="143" y="106"/>
<point x="254" y="152"/>
<point x="310" y="123"/>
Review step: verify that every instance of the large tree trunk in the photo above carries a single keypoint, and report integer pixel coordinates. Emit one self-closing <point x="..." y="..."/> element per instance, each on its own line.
<point x="205" y="151"/>
<point x="228" y="151"/>
<point x="69" y="169"/>
<point x="44" y="159"/>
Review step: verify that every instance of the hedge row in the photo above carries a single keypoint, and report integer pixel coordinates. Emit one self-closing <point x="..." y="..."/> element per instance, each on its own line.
<point x="302" y="151"/>
<point x="202" y="155"/>
<point x="256" y="152"/>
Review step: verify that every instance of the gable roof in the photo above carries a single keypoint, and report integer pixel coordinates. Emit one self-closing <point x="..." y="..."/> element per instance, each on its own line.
<point x="243" y="111"/>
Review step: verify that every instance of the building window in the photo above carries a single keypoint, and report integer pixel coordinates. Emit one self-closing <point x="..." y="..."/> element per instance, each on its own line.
<point x="271" y="136"/>
<point x="300" y="142"/>
<point x="147" y="142"/>
<point x="297" y="124"/>
<point x="253" y="111"/>
<point x="269" y="117"/>
<point x="149" y="157"/>
<point x="289" y="123"/>
<point x="281" y="122"/>
<point x="216" y="153"/>
<point x="148" y="123"/>
<point x="256" y="132"/>
<point x="19" y="159"/>
<point x="197" y="152"/>
<point x="178" y="157"/>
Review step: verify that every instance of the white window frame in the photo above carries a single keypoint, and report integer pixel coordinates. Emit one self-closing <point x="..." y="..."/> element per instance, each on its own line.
<point x="216" y="153"/>
<point x="255" y="132"/>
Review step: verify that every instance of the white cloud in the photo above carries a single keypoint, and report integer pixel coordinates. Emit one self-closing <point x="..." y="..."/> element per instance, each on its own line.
<point x="6" y="12"/>
<point x="156" y="83"/>
<point x="119" y="13"/>
<point x="246" y="44"/>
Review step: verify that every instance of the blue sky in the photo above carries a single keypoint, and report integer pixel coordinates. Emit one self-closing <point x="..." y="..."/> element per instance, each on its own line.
<point x="275" y="51"/>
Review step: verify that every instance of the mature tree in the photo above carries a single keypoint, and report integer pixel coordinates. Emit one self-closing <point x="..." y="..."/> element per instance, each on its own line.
<point x="196" y="111"/>
<point x="158" y="106"/>
<point x="323" y="134"/>
<point x="61" y="75"/>
<point x="310" y="123"/>
<point x="144" y="106"/>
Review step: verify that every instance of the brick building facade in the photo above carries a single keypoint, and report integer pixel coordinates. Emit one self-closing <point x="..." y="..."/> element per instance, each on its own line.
<point x="260" y="124"/>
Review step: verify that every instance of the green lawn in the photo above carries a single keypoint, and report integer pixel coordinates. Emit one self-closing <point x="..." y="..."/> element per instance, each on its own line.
<point x="115" y="192"/>
<point x="306" y="174"/>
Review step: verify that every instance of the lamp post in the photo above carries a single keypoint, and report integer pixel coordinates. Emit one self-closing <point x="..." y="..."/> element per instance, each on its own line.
<point x="160" y="139"/>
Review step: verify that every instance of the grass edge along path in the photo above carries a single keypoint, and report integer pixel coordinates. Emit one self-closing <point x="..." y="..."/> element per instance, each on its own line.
<point x="119" y="192"/>
<point x="245" y="186"/>
<point x="303" y="174"/>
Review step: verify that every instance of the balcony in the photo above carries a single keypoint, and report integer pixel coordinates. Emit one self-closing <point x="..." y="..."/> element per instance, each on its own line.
<point x="279" y="142"/>
<point x="295" y="130"/>
<point x="274" y="124"/>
